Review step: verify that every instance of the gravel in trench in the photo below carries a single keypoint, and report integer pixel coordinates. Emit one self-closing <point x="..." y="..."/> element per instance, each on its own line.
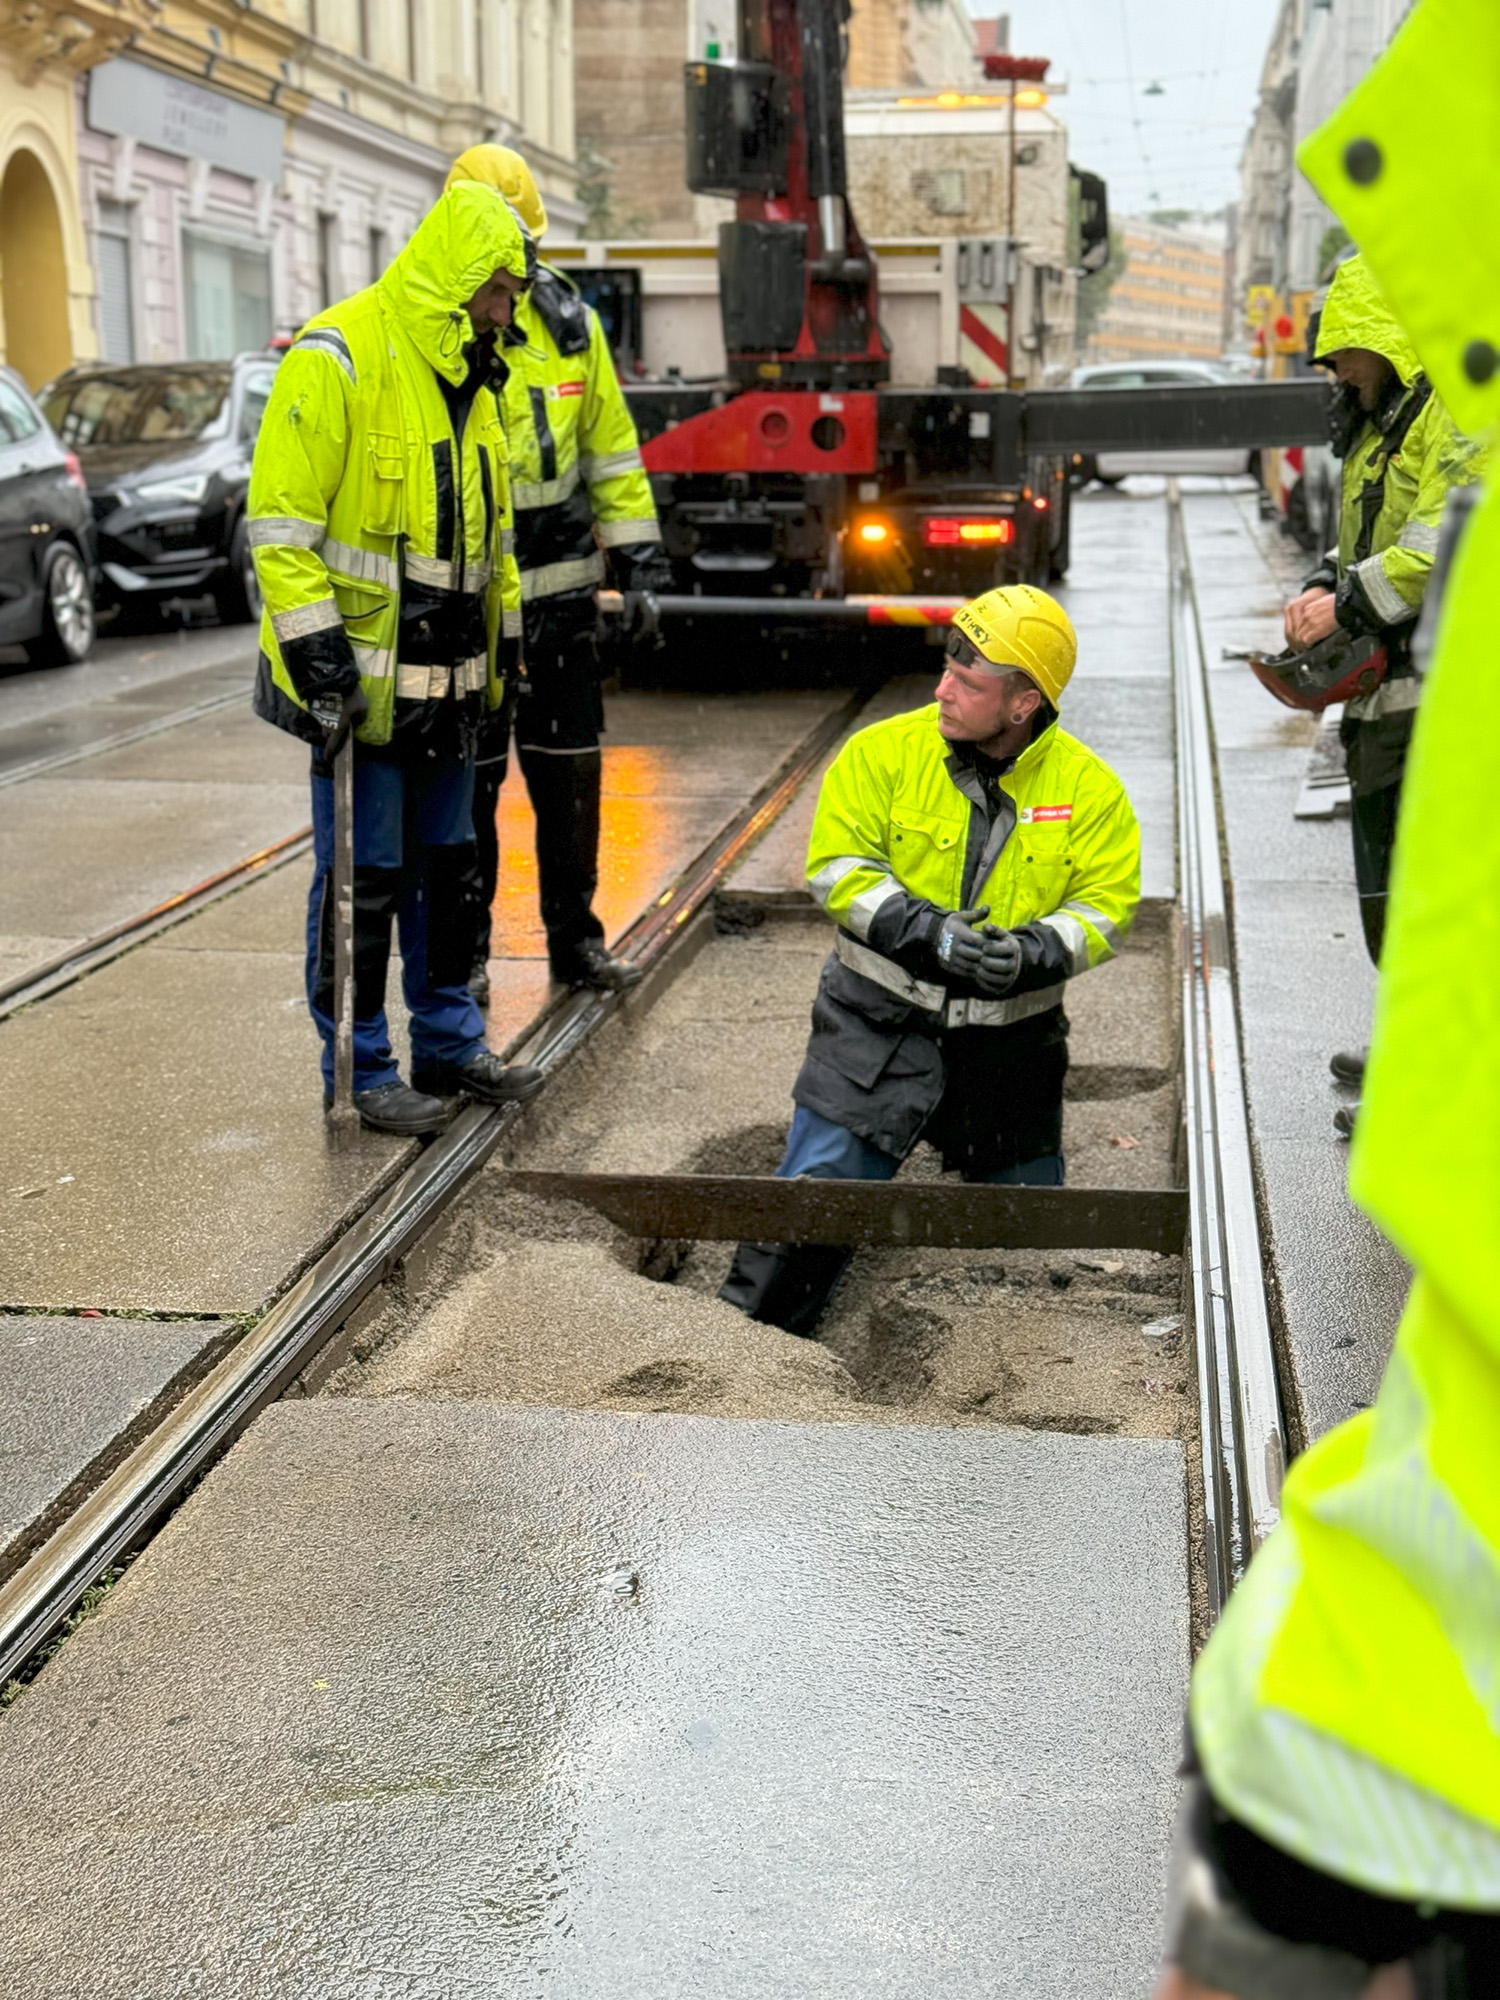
<point x="536" y="1302"/>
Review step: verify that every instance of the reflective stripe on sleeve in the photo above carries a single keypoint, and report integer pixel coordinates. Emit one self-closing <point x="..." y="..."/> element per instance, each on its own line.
<point x="555" y="577"/>
<point x="614" y="533"/>
<point x="1419" y="537"/>
<point x="1075" y="939"/>
<point x="1389" y="606"/>
<point x="285" y="531"/>
<point x="612" y="465"/>
<point x="526" y="495"/>
<point x="1098" y="921"/>
<point x="328" y="340"/>
<point x="861" y="912"/>
<point x="833" y="872"/>
<point x="511" y="623"/>
<point x="882" y="971"/>
<point x="360" y="565"/>
<point x="507" y="541"/>
<point x="304" y="619"/>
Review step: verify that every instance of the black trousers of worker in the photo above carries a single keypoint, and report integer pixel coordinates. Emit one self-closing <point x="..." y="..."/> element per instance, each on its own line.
<point x="1000" y="1119"/>
<point x="1376" y="756"/>
<point x="556" y="713"/>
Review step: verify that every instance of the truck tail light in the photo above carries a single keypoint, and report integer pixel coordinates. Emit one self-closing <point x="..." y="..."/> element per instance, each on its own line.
<point x="948" y="531"/>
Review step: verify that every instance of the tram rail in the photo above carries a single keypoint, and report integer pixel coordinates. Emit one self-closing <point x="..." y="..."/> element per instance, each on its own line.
<point x="1241" y="1428"/>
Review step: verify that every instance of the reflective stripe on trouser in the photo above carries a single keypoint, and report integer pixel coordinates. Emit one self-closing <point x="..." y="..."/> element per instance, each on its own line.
<point x="414" y="862"/>
<point x="789" y="1286"/>
<point x="581" y="573"/>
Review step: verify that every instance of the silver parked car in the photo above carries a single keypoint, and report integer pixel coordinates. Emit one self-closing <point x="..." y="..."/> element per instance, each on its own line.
<point x="1113" y="466"/>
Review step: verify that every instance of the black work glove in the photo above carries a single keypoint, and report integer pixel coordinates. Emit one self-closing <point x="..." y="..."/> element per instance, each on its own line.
<point x="336" y="713"/>
<point x="959" y="947"/>
<point x="640" y="620"/>
<point x="999" y="963"/>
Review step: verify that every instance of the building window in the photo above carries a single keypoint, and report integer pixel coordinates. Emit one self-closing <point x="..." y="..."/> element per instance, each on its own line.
<point x="379" y="254"/>
<point x="228" y="288"/>
<point x="116" y="295"/>
<point x="328" y="260"/>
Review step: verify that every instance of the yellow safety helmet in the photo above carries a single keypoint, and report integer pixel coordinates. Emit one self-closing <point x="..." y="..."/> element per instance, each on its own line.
<point x="1019" y="626"/>
<point x="498" y="167"/>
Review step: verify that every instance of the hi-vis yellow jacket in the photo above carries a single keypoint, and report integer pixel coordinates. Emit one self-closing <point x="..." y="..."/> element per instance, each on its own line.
<point x="904" y="834"/>
<point x="364" y="505"/>
<point x="1348" y="1705"/>
<point x="577" y="482"/>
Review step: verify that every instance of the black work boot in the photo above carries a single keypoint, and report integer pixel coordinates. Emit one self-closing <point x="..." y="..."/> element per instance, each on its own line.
<point x="479" y="983"/>
<point x="483" y="1077"/>
<point x="1344" y="1120"/>
<point x="591" y="965"/>
<point x="396" y="1107"/>
<point x="785" y="1285"/>
<point x="1348" y="1065"/>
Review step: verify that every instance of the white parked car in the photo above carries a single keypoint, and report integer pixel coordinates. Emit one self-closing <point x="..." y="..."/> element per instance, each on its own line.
<point x="1113" y="466"/>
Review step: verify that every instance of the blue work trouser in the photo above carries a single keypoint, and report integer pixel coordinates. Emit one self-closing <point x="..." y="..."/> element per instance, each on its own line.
<point x="789" y="1287"/>
<point x="414" y="861"/>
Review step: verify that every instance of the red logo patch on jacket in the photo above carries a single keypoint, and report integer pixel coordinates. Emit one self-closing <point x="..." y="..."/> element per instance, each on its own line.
<point x="568" y="388"/>
<point x="1031" y="814"/>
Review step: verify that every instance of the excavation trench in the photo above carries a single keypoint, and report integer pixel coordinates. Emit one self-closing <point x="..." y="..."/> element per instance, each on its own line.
<point x="546" y="1302"/>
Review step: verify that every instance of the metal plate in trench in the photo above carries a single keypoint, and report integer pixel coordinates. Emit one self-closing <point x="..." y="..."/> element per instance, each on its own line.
<point x="417" y="1698"/>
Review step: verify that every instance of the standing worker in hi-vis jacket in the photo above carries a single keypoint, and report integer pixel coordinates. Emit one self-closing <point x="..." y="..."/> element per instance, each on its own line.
<point x="582" y="504"/>
<point x="380" y="521"/>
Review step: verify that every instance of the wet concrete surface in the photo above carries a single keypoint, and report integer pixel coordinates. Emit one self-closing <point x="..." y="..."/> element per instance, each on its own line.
<point x="445" y="1698"/>
<point x="124" y="684"/>
<point x="69" y="1391"/>
<point x="1305" y="981"/>
<point x="677" y="765"/>
<point x="179" y="1090"/>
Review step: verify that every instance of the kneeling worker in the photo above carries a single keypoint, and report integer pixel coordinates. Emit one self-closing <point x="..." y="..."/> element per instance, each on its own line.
<point x="974" y="857"/>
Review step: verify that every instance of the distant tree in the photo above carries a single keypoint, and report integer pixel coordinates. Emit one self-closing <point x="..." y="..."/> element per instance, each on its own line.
<point x="1171" y="218"/>
<point x="1334" y="240"/>
<point x="595" y="189"/>
<point x="1094" y="291"/>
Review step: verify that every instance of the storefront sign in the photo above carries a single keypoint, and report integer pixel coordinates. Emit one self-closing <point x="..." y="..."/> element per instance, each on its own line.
<point x="175" y="116"/>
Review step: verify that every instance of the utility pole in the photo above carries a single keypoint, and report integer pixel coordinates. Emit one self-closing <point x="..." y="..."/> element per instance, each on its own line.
<point x="1014" y="71"/>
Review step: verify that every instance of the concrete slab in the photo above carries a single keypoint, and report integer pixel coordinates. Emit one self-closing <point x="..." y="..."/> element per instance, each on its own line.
<point x="85" y="853"/>
<point x="179" y="1091"/>
<point x="70" y="1390"/>
<point x="230" y="747"/>
<point x="536" y="1702"/>
<point x="1306" y="987"/>
<point x="60" y="710"/>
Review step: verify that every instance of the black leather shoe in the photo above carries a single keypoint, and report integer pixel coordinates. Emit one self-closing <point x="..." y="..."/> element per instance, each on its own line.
<point x="396" y="1107"/>
<point x="1343" y="1120"/>
<point x="485" y="1078"/>
<point x="479" y="982"/>
<point x="1349" y="1065"/>
<point x="592" y="966"/>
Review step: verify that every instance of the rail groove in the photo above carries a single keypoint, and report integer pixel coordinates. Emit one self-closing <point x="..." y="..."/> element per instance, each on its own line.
<point x="1243" y="1435"/>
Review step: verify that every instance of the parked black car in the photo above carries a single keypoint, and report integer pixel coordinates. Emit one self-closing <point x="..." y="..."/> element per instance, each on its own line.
<point x="165" y="447"/>
<point x="46" y="536"/>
